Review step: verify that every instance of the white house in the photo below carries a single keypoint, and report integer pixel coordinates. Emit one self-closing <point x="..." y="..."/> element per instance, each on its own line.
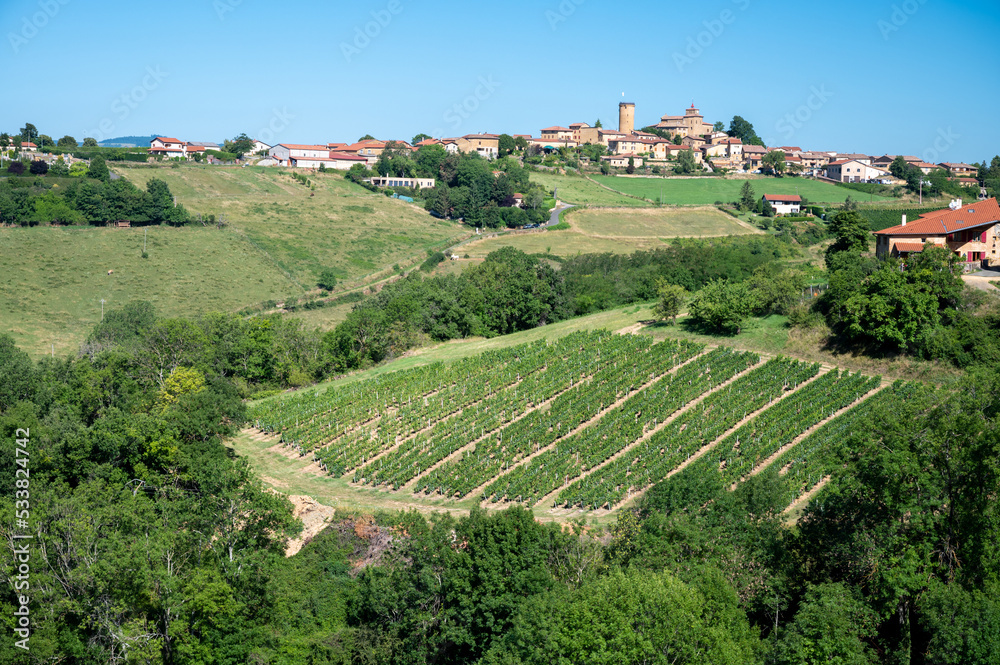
<point x="853" y="170"/>
<point x="260" y="146"/>
<point x="168" y="147"/>
<point x="784" y="204"/>
<point x="391" y="181"/>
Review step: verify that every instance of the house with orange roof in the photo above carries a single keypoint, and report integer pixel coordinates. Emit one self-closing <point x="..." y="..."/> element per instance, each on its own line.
<point x="926" y="167"/>
<point x="28" y="146"/>
<point x="487" y="145"/>
<point x="168" y="147"/>
<point x="557" y="134"/>
<point x="784" y="204"/>
<point x="970" y="231"/>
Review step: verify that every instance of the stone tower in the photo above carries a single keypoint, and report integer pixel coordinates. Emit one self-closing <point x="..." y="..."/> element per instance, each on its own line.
<point x="626" y="117"/>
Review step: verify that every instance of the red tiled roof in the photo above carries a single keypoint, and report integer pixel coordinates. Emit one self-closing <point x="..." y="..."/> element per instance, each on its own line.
<point x="908" y="246"/>
<point x="784" y="198"/>
<point x="556" y="129"/>
<point x="161" y="139"/>
<point x="943" y="222"/>
<point x="345" y="156"/>
<point x="951" y="165"/>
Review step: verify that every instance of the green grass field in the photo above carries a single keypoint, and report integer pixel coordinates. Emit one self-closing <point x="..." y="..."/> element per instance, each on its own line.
<point x="656" y="223"/>
<point x="706" y="191"/>
<point x="616" y="230"/>
<point x="339" y="225"/>
<point x="580" y="191"/>
<point x="55" y="278"/>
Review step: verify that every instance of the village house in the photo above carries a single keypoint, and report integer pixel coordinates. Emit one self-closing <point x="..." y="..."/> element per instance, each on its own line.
<point x="168" y="147"/>
<point x="814" y="160"/>
<point x="557" y="134"/>
<point x="925" y="167"/>
<point x="753" y="156"/>
<point x="28" y="146"/>
<point x="970" y="231"/>
<point x="852" y="170"/>
<point x="784" y="204"/>
<point x="259" y="147"/>
<point x="621" y="161"/>
<point x="960" y="170"/>
<point x="692" y="123"/>
<point x="487" y="145"/>
<point x="344" y="160"/>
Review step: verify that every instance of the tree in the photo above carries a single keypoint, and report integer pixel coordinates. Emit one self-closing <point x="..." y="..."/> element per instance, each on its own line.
<point x="16" y="168"/>
<point x="597" y="124"/>
<point x="630" y="169"/>
<point x="67" y="142"/>
<point x="670" y="299"/>
<point x="831" y="626"/>
<point x="366" y="137"/>
<point x="327" y="279"/>
<point x="182" y="381"/>
<point x="605" y="169"/>
<point x="719" y="126"/>
<point x="59" y="169"/>
<point x="722" y="306"/>
<point x="850" y="205"/>
<point x="851" y="232"/>
<point x="98" y="169"/>
<point x="685" y="162"/>
<point x="521" y="143"/>
<point x="239" y="146"/>
<point x="743" y="130"/>
<point x="89" y="142"/>
<point x="774" y="162"/>
<point x="748" y="198"/>
<point x="767" y="209"/>
<point x="4" y="140"/>
<point x="506" y="145"/>
<point x="420" y="137"/>
<point x="45" y="141"/>
<point x="29" y="133"/>
<point x="898" y="167"/>
<point x="39" y="167"/>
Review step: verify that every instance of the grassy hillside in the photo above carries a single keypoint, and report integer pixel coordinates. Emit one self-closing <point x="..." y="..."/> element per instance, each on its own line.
<point x="580" y="191"/>
<point x="338" y="225"/>
<point x="706" y="191"/>
<point x="51" y="293"/>
<point x="617" y="230"/>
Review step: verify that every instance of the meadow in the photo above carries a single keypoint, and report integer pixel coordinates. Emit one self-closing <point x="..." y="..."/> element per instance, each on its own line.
<point x="580" y="191"/>
<point x="55" y="278"/>
<point x="337" y="225"/>
<point x="706" y="191"/>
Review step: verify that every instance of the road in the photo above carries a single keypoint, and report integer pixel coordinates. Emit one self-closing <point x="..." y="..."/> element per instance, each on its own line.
<point x="560" y="206"/>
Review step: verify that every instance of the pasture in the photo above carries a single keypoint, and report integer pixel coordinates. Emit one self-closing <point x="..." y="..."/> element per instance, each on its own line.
<point x="708" y="190"/>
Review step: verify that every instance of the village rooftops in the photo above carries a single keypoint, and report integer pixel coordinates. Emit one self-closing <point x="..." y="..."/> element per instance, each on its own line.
<point x="943" y="222"/>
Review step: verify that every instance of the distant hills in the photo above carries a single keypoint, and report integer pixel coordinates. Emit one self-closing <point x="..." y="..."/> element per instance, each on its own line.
<point x="128" y="141"/>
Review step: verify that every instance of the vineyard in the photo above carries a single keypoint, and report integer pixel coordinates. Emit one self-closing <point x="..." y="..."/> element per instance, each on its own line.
<point x="588" y="422"/>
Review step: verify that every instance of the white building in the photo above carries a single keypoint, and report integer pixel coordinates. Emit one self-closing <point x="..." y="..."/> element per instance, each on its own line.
<point x="168" y="147"/>
<point x="390" y="181"/>
<point x="284" y="153"/>
<point x="785" y="204"/>
<point x="852" y="170"/>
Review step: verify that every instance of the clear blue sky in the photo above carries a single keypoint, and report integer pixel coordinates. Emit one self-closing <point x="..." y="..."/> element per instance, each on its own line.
<point x="915" y="76"/>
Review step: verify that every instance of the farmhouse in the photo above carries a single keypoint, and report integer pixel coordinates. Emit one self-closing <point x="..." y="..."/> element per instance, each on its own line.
<point x="487" y="145"/>
<point x="621" y="161"/>
<point x="960" y="170"/>
<point x="970" y="231"/>
<point x="284" y="153"/>
<point x="28" y="146"/>
<point x="784" y="204"/>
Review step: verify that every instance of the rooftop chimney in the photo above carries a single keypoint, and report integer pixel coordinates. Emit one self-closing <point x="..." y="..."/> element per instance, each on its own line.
<point x="904" y="220"/>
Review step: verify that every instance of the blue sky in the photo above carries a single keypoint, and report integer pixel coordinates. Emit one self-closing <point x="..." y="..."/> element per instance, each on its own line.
<point x="905" y="76"/>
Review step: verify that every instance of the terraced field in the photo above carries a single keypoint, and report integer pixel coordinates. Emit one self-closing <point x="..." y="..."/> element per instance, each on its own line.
<point x="588" y="422"/>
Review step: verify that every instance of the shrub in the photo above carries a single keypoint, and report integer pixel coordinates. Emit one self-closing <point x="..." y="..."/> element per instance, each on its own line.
<point x="327" y="280"/>
<point x="432" y="261"/>
<point x="16" y="168"/>
<point x="38" y="167"/>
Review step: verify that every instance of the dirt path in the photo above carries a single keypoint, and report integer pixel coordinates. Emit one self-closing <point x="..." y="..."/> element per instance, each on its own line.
<point x="551" y="496"/>
<point x="981" y="283"/>
<point x="801" y="437"/>
<point x="582" y="427"/>
<point x="801" y="502"/>
<point x="710" y="446"/>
